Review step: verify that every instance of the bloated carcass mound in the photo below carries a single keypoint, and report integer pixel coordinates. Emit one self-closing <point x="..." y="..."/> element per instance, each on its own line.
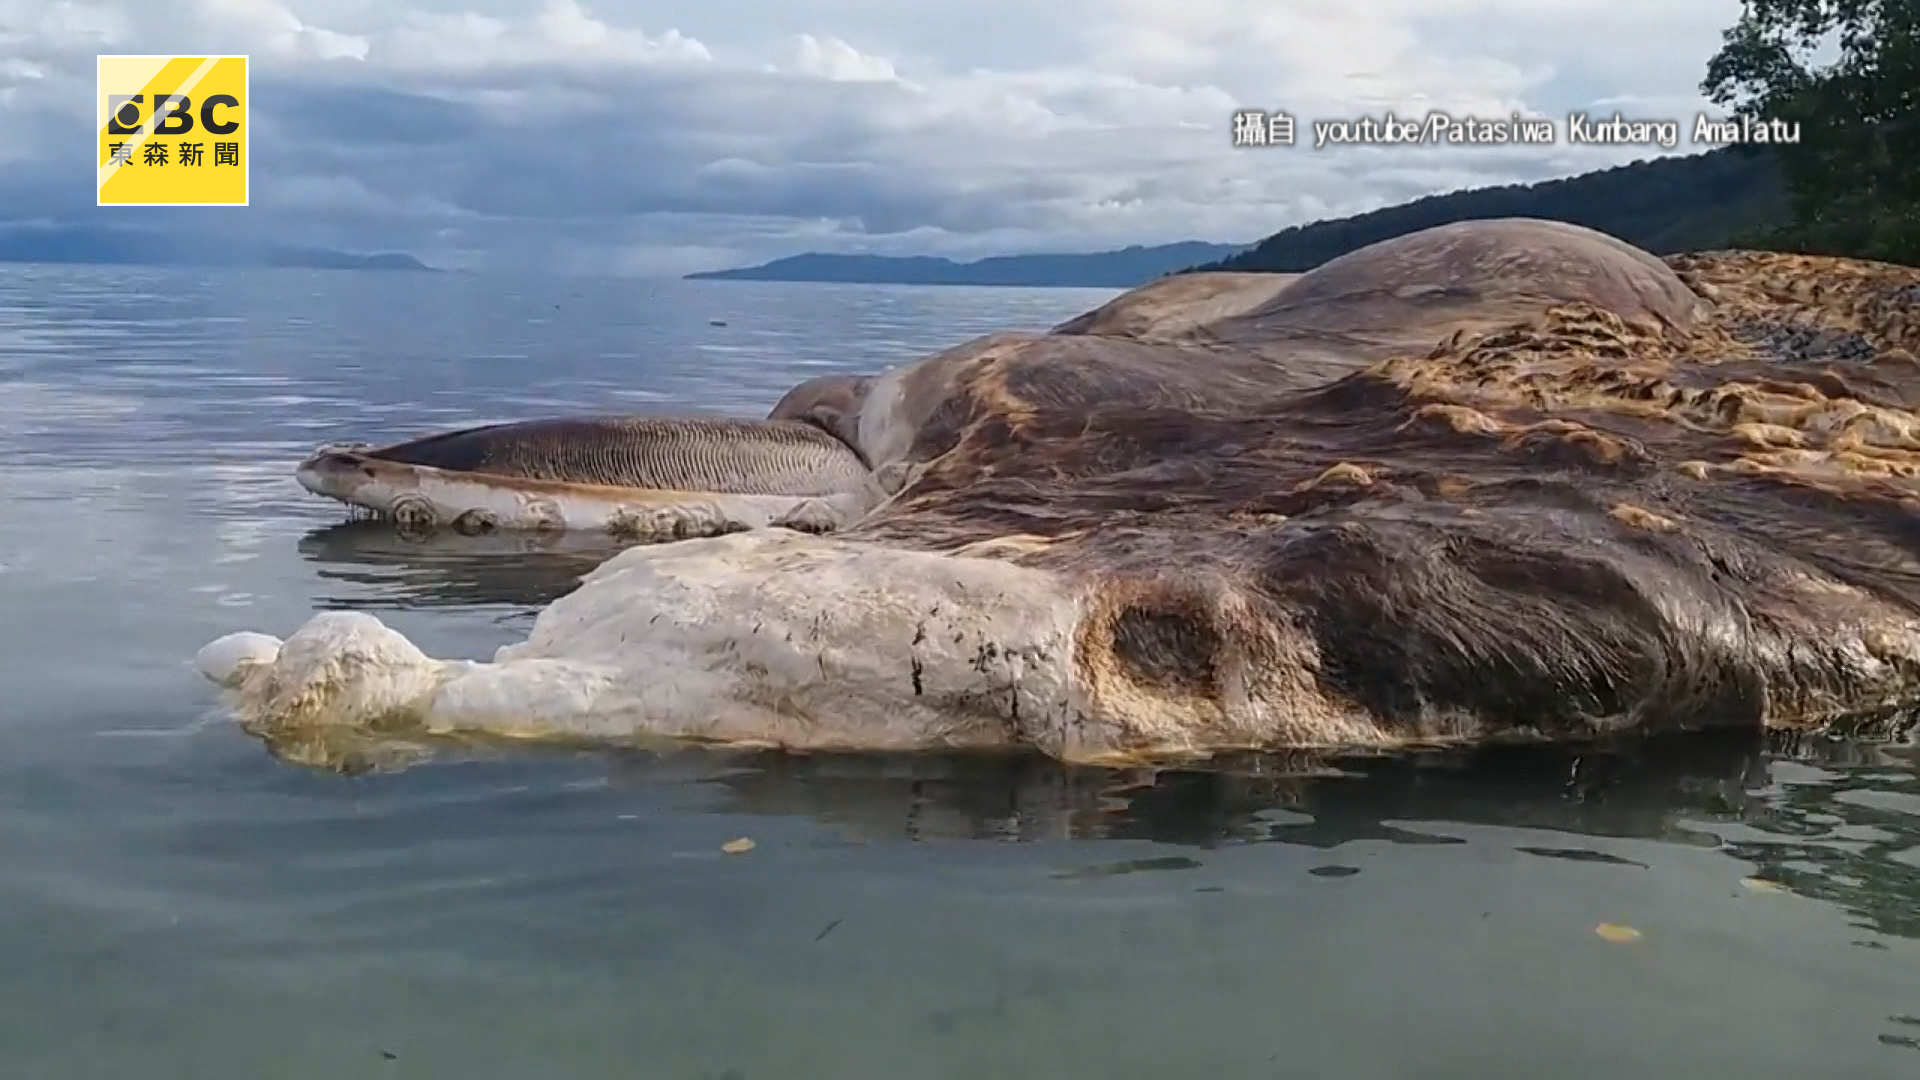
<point x="1493" y="479"/>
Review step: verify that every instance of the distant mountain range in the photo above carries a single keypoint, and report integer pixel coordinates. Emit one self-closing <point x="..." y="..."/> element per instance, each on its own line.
<point x="39" y="243"/>
<point x="1725" y="198"/>
<point x="1665" y="204"/>
<point x="1100" y="270"/>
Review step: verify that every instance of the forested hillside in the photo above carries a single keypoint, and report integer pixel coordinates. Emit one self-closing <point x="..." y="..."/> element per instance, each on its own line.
<point x="1716" y="199"/>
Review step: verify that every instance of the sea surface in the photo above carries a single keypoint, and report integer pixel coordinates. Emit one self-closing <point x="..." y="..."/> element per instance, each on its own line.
<point x="177" y="903"/>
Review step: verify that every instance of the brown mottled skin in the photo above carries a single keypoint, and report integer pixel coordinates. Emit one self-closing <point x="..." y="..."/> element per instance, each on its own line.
<point x="1493" y="478"/>
<point x="1490" y="478"/>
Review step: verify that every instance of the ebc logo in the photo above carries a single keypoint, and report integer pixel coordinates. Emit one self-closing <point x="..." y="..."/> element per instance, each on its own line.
<point x="173" y="130"/>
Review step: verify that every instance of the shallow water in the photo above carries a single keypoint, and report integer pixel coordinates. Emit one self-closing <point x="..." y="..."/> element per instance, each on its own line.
<point x="176" y="903"/>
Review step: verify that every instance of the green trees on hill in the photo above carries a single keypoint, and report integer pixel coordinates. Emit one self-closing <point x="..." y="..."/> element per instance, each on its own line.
<point x="1848" y="73"/>
<point x="1667" y="204"/>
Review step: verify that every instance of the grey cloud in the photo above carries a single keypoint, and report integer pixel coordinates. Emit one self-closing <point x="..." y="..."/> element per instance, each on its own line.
<point x="647" y="143"/>
<point x="562" y="156"/>
<point x="343" y="114"/>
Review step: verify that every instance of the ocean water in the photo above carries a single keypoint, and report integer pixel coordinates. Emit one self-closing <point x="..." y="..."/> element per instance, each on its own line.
<point x="177" y="903"/>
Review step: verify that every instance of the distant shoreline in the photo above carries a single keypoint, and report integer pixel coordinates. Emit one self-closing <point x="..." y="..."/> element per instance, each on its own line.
<point x="94" y="245"/>
<point x="1121" y="269"/>
<point x="916" y="284"/>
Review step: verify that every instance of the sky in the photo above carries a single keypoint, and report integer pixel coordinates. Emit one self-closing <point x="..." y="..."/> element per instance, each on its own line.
<point x="659" y="137"/>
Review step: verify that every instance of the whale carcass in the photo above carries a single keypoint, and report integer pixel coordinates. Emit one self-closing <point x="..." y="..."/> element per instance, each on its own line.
<point x="1489" y="480"/>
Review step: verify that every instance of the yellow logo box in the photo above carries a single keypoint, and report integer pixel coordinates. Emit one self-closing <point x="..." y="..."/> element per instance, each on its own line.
<point x="173" y="130"/>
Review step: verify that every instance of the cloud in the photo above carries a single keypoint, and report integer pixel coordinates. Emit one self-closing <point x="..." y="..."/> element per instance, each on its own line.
<point x="835" y="60"/>
<point x="276" y="30"/>
<point x="671" y="135"/>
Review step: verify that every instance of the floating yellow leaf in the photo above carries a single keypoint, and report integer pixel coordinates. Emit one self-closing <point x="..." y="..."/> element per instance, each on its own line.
<point x="1616" y="933"/>
<point x="737" y="847"/>
<point x="1762" y="885"/>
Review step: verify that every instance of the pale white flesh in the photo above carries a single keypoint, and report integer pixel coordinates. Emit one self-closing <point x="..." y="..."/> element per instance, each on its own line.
<point x="776" y="638"/>
<point x="769" y="637"/>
